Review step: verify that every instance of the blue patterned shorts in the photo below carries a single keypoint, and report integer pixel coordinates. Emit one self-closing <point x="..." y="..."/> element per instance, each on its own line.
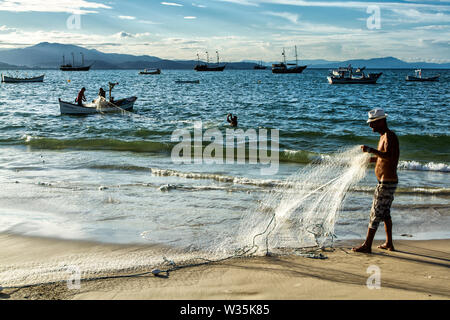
<point x="382" y="201"/>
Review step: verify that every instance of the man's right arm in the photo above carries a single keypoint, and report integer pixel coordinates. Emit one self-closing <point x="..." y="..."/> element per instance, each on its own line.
<point x="368" y="149"/>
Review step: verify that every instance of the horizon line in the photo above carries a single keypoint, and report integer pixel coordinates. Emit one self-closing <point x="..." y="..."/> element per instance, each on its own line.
<point x="247" y="60"/>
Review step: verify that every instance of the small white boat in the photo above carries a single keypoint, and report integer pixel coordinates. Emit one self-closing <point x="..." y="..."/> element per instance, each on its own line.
<point x="418" y="77"/>
<point x="156" y="71"/>
<point x="8" y="79"/>
<point x="105" y="107"/>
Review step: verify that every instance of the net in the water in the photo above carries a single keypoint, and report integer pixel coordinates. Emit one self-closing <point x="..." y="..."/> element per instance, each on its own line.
<point x="103" y="105"/>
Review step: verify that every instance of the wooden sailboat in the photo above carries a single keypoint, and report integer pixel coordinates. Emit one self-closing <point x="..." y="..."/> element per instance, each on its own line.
<point x="283" y="67"/>
<point x="72" y="67"/>
<point x="206" y="66"/>
<point x="260" y="66"/>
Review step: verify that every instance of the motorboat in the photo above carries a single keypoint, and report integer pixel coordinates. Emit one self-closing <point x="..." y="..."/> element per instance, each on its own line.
<point x="155" y="71"/>
<point x="346" y="75"/>
<point x="417" y="77"/>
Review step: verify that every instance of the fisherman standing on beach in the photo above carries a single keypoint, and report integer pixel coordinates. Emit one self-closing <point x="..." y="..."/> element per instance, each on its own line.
<point x="386" y="161"/>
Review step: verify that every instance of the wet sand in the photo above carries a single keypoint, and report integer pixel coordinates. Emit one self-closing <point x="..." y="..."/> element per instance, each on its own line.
<point x="417" y="270"/>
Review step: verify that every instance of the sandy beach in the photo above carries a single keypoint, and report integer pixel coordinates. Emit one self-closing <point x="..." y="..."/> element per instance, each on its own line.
<point x="417" y="270"/>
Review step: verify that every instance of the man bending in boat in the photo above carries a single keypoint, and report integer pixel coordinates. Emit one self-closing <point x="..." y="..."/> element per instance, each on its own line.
<point x="232" y="120"/>
<point x="102" y="93"/>
<point x="80" y="98"/>
<point x="386" y="161"/>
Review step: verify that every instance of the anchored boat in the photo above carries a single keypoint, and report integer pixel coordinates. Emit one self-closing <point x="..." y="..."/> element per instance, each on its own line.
<point x="418" y="77"/>
<point x="283" y="67"/>
<point x="206" y="66"/>
<point x="155" y="71"/>
<point x="260" y="66"/>
<point x="346" y="75"/>
<point x="72" y="67"/>
<point x="8" y="79"/>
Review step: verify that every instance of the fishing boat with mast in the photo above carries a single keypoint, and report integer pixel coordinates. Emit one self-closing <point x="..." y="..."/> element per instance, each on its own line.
<point x="283" y="67"/>
<point x="206" y="66"/>
<point x="259" y="66"/>
<point x="417" y="77"/>
<point x="346" y="75"/>
<point x="72" y="67"/>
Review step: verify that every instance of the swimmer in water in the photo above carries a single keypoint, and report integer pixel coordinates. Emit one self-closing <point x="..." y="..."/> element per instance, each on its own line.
<point x="232" y="120"/>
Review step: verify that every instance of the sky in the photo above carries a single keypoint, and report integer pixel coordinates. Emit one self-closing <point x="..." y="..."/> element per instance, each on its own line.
<point x="239" y="29"/>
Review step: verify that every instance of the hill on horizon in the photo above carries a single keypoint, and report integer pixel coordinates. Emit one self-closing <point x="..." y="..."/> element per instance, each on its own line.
<point x="46" y="55"/>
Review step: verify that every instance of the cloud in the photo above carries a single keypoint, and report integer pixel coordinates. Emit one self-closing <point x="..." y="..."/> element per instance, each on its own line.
<point x="242" y="2"/>
<point x="5" y="29"/>
<point x="66" y="6"/>
<point x="198" y="5"/>
<point x="171" y="4"/>
<point x="433" y="27"/>
<point x="124" y="34"/>
<point x="341" y="4"/>
<point x="142" y="35"/>
<point x="416" y="16"/>
<point x="292" y="17"/>
<point x="190" y="17"/>
<point x="264" y="37"/>
<point x="148" y="22"/>
<point x="121" y="42"/>
<point x="127" y="17"/>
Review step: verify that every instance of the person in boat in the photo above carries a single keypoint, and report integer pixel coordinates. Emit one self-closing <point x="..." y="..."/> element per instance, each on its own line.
<point x="80" y="98"/>
<point x="102" y="93"/>
<point x="232" y="120"/>
<point x="386" y="160"/>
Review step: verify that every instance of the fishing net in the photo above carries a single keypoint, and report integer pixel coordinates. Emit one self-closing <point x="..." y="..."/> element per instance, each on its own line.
<point x="101" y="104"/>
<point x="300" y="212"/>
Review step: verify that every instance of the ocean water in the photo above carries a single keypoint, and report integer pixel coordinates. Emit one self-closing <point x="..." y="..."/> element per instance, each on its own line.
<point x="111" y="178"/>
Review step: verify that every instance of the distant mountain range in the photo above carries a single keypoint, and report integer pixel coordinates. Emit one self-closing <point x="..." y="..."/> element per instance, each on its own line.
<point x="50" y="55"/>
<point x="374" y="63"/>
<point x="380" y="63"/>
